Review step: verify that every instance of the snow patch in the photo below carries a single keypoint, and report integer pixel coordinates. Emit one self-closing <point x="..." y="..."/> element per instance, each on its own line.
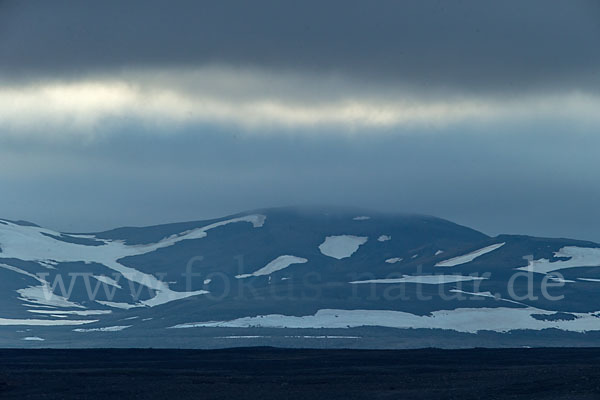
<point x="480" y="294"/>
<point x="384" y="238"/>
<point x="288" y="337"/>
<point x="164" y="297"/>
<point x="322" y="337"/>
<point x="43" y="295"/>
<point x="240" y="337"/>
<point x="122" y="306"/>
<point x="277" y="264"/>
<point x="467" y="320"/>
<point x="577" y="257"/>
<point x="559" y="279"/>
<point x="393" y="260"/>
<point x="43" y="322"/>
<point x="342" y="246"/>
<point x="361" y="218"/>
<point x="40" y="295"/>
<point x="59" y="313"/>
<point x="108" y="281"/>
<point x="48" y="264"/>
<point x="489" y="295"/>
<point x="105" y="329"/>
<point x="469" y="257"/>
<point x="33" y="339"/>
<point x="424" y="279"/>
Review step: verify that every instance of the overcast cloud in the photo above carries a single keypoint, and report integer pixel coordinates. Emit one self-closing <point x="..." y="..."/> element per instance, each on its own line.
<point x="132" y="113"/>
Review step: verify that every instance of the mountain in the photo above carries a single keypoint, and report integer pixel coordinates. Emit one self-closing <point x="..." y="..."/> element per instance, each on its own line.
<point x="310" y="277"/>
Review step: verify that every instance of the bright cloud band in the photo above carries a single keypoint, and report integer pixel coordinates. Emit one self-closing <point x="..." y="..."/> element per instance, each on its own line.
<point x="258" y="102"/>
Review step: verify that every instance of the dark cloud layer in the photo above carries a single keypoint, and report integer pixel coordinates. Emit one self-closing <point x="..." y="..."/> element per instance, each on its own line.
<point x="466" y="45"/>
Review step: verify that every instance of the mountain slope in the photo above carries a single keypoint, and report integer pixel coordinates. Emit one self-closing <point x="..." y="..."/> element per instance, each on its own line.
<point x="284" y="276"/>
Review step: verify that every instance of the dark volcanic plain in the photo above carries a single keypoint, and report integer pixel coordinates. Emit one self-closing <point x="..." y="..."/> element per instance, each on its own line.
<point x="269" y="373"/>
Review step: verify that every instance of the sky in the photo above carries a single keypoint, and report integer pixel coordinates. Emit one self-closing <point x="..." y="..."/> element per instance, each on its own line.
<point x="143" y="112"/>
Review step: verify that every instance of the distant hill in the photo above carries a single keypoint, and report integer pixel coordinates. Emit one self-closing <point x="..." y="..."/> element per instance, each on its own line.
<point x="308" y="277"/>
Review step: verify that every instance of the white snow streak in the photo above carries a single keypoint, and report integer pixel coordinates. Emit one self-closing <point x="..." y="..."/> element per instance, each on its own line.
<point x="63" y="313"/>
<point x="277" y="264"/>
<point x="393" y="260"/>
<point x="468" y="320"/>
<point x="42" y="322"/>
<point x="469" y="257"/>
<point x="123" y="306"/>
<point x="105" y="329"/>
<point x="108" y="281"/>
<point x="424" y="279"/>
<point x="589" y="279"/>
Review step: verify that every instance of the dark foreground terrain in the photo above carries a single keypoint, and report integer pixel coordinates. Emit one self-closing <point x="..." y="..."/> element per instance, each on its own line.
<point x="268" y="373"/>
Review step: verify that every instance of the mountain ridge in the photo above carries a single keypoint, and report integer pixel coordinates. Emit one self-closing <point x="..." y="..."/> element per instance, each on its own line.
<point x="276" y="269"/>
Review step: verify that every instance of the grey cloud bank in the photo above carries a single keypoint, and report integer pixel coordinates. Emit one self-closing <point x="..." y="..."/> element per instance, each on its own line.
<point x="470" y="45"/>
